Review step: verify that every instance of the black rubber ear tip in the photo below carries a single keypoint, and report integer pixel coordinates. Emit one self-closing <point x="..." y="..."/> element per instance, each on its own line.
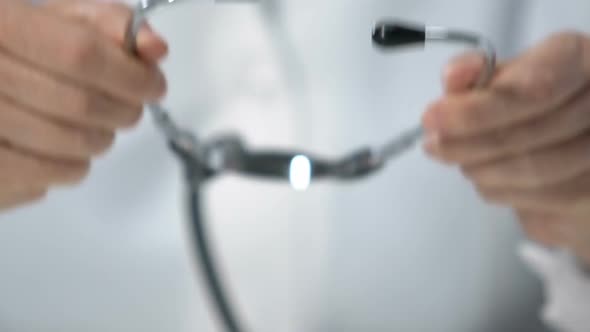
<point x="395" y="34"/>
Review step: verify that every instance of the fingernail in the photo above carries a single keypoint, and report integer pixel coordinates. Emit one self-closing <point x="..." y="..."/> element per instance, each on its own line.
<point x="475" y="59"/>
<point x="448" y="72"/>
<point x="147" y="35"/>
<point x="466" y="62"/>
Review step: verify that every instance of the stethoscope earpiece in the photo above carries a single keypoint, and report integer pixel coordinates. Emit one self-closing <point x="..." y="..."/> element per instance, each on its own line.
<point x="396" y="34"/>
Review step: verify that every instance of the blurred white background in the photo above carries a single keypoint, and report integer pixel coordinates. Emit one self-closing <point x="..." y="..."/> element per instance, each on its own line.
<point x="411" y="249"/>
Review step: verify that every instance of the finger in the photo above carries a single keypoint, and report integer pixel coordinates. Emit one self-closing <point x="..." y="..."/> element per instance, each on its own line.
<point x="463" y="72"/>
<point x="112" y="19"/>
<point x="569" y="199"/>
<point x="20" y="169"/>
<point x="554" y="128"/>
<point x="78" y="52"/>
<point x="28" y="131"/>
<point x="62" y="99"/>
<point x="13" y="199"/>
<point x="536" y="169"/>
<point x="538" y="82"/>
<point x="150" y="46"/>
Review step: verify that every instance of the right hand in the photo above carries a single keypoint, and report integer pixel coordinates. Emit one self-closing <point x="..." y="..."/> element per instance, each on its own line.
<point x="66" y="86"/>
<point x="553" y="208"/>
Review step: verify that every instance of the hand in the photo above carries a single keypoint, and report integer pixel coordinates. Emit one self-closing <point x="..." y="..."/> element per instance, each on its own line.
<point x="66" y="86"/>
<point x="524" y="141"/>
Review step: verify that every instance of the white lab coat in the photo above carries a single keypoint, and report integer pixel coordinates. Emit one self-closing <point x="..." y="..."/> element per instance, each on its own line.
<point x="410" y="249"/>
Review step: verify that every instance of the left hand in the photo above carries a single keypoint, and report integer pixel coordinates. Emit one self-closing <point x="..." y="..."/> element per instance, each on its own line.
<point x="524" y="140"/>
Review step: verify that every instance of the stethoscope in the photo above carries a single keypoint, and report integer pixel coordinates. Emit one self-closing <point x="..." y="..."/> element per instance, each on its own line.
<point x="204" y="160"/>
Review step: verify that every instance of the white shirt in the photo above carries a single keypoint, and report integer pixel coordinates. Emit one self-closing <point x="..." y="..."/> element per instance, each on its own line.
<point x="410" y="249"/>
<point x="567" y="287"/>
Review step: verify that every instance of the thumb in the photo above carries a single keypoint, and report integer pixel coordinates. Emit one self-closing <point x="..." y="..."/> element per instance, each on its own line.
<point x="463" y="72"/>
<point x="112" y="20"/>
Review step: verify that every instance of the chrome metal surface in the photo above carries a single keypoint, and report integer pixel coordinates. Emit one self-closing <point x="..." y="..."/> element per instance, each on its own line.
<point x="231" y="154"/>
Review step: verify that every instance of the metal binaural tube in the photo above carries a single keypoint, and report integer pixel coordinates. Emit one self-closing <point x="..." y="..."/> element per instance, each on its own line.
<point x="391" y="35"/>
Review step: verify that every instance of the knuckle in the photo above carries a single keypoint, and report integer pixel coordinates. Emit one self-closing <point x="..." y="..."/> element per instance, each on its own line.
<point x="560" y="63"/>
<point x="536" y="132"/>
<point x="575" y="48"/>
<point x="499" y="139"/>
<point x="111" y="11"/>
<point x="110" y="8"/>
<point x="473" y="118"/>
<point x="82" y="52"/>
<point x="474" y="114"/>
<point x="84" y="104"/>
<point x="539" y="86"/>
<point x="533" y="172"/>
<point x="571" y="45"/>
<point x="515" y="141"/>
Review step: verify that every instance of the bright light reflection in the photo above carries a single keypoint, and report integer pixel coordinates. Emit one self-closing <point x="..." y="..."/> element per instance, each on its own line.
<point x="300" y="173"/>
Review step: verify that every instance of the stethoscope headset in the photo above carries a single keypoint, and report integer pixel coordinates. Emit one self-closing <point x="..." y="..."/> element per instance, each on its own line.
<point x="204" y="160"/>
